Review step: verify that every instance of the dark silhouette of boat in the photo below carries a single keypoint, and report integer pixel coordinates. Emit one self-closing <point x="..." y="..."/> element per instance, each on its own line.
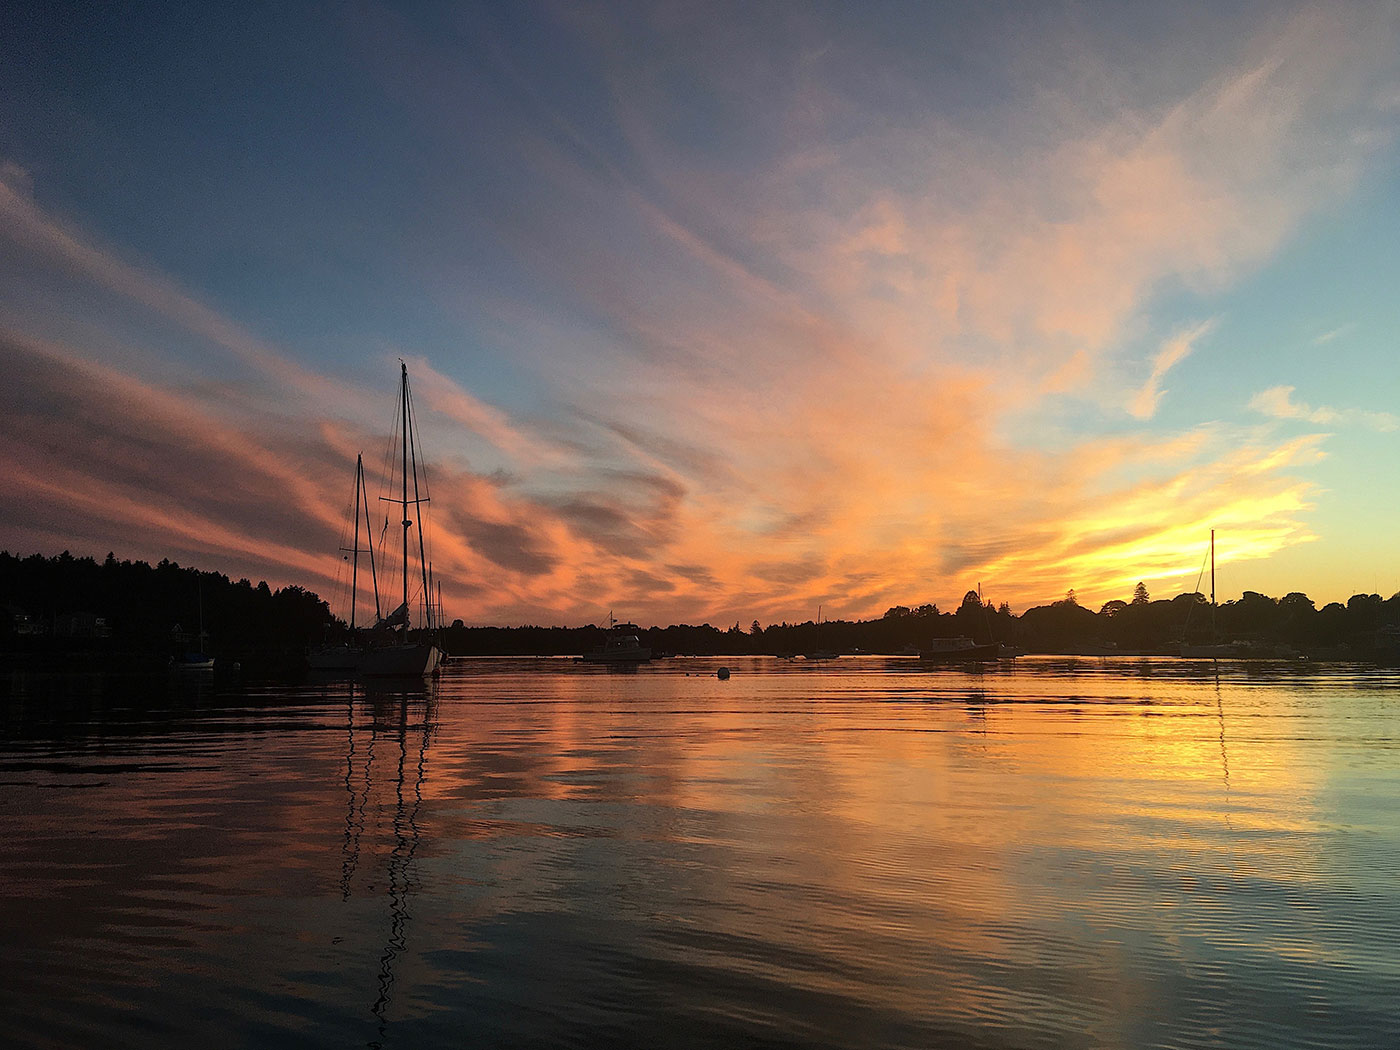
<point x="623" y="645"/>
<point x="958" y="650"/>
<point x="1214" y="649"/>
<point x="819" y="653"/>
<point x="405" y="657"/>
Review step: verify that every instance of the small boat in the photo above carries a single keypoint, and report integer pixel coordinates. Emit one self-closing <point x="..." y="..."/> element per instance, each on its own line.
<point x="623" y="645"/>
<point x="405" y="657"/>
<point x="192" y="660"/>
<point x="958" y="650"/>
<point x="1210" y="651"/>
<point x="1214" y="649"/>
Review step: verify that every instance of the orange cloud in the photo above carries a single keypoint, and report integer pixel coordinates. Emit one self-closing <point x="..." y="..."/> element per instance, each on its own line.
<point x="841" y="378"/>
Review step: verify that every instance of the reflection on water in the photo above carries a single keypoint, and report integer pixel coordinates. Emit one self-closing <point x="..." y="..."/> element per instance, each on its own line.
<point x="1063" y="853"/>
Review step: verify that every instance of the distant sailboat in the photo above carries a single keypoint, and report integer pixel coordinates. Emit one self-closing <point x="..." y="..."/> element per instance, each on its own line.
<point x="195" y="660"/>
<point x="958" y="650"/>
<point x="818" y="653"/>
<point x="406" y="657"/>
<point x="1214" y="649"/>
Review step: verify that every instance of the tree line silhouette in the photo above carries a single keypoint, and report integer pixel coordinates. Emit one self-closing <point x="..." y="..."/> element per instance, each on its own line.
<point x="140" y="613"/>
<point x="66" y="604"/>
<point x="1365" y="627"/>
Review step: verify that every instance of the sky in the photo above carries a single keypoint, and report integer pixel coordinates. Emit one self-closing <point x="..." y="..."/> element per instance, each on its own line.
<point x="712" y="312"/>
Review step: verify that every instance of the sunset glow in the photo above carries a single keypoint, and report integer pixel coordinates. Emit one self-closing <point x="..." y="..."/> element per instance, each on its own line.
<point x="713" y="315"/>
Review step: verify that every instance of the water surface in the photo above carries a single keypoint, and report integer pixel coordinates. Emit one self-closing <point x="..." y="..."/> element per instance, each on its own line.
<point x="1129" y="853"/>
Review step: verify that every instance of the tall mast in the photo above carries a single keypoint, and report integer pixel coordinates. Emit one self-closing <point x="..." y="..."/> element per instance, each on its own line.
<point x="404" y="480"/>
<point x="355" y="545"/>
<point x="1212" y="584"/>
<point x="418" y="507"/>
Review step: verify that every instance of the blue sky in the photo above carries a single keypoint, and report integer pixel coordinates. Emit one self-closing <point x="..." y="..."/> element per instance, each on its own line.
<point x="715" y="312"/>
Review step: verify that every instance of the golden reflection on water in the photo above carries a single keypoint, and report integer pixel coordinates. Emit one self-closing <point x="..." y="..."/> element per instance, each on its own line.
<point x="1088" y="853"/>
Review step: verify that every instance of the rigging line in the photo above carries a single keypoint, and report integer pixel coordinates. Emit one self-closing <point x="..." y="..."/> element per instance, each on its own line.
<point x="1191" y="608"/>
<point x="342" y="583"/>
<point x="422" y="551"/>
<point x="373" y="575"/>
<point x="425" y="532"/>
<point x="386" y="485"/>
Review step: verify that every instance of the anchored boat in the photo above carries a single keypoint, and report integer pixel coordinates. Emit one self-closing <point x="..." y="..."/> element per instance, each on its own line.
<point x="959" y="650"/>
<point x="623" y="645"/>
<point x="406" y="656"/>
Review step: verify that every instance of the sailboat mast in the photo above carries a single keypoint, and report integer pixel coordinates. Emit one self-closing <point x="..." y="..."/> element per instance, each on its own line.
<point x="1212" y="584"/>
<point x="369" y="540"/>
<point x="407" y="523"/>
<point x="355" y="556"/>
<point x="418" y="501"/>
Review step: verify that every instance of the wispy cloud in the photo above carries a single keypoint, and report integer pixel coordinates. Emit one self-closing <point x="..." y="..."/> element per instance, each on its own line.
<point x="1335" y="333"/>
<point x="1173" y="351"/>
<point x="1278" y="402"/>
<point x="50" y="240"/>
<point x="770" y="378"/>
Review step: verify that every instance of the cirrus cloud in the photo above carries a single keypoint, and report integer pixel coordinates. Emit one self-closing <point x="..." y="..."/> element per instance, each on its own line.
<point x="1278" y="402"/>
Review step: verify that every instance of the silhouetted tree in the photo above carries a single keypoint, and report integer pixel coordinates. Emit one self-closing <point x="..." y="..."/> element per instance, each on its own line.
<point x="1140" y="596"/>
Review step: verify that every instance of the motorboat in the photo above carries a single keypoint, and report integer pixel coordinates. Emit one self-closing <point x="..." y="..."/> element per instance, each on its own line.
<point x="622" y="645"/>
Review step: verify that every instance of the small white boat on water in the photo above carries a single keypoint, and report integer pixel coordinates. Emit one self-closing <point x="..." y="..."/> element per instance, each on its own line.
<point x="623" y="645"/>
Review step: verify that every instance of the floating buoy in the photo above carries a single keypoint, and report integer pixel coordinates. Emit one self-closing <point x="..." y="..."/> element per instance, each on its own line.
<point x="722" y="673"/>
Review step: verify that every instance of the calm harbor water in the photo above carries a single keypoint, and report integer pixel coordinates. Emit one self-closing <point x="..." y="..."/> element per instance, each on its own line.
<point x="1091" y="853"/>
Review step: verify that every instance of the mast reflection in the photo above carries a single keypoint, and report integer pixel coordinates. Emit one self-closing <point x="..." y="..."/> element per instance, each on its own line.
<point x="1224" y="755"/>
<point x="404" y="714"/>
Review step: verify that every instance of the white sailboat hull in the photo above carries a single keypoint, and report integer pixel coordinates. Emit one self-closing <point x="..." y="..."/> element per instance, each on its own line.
<point x="399" y="661"/>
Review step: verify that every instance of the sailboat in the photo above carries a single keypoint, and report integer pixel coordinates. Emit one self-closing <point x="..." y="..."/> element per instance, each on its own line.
<point x="819" y="653"/>
<point x="1214" y="649"/>
<point x="346" y="657"/>
<point x="405" y="657"/>
<point x="195" y="660"/>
